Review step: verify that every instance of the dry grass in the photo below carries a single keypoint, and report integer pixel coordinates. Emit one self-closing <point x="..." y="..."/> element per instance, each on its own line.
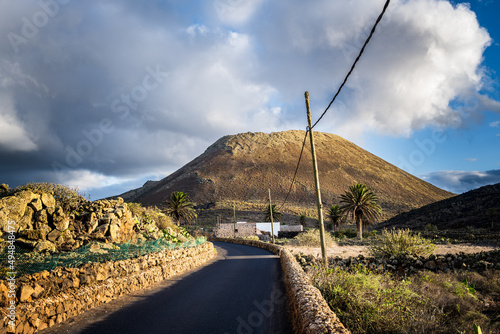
<point x="312" y="238"/>
<point x="429" y="303"/>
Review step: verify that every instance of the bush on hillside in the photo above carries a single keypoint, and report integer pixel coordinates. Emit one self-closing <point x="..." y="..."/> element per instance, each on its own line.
<point x="397" y="242"/>
<point x="148" y="215"/>
<point x="311" y="238"/>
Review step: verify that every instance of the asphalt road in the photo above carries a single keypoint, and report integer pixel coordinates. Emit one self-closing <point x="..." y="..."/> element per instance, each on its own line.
<point x="242" y="292"/>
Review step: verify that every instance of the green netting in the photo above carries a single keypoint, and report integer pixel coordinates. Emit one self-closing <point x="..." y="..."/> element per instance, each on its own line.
<point x="29" y="262"/>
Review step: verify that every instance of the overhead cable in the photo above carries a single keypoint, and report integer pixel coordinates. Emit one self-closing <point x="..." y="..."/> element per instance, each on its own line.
<point x="356" y="61"/>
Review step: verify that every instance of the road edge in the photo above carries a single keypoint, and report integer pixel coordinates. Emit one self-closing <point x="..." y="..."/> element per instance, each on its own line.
<point x="309" y="311"/>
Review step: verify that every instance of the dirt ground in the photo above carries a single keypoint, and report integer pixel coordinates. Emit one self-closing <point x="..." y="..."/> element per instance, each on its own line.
<point x="346" y="251"/>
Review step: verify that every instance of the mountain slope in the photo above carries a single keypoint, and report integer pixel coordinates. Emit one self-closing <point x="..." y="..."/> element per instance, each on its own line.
<point x="477" y="208"/>
<point x="243" y="167"/>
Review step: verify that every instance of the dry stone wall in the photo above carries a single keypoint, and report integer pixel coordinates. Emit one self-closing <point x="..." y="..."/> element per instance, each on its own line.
<point x="236" y="230"/>
<point x="406" y="264"/>
<point x="309" y="310"/>
<point x="47" y="298"/>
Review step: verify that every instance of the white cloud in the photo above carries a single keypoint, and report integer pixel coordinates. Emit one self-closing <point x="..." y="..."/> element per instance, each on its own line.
<point x="13" y="136"/>
<point x="495" y="124"/>
<point x="196" y="29"/>
<point x="471" y="159"/>
<point x="236" y="12"/>
<point x="426" y="55"/>
<point x="85" y="180"/>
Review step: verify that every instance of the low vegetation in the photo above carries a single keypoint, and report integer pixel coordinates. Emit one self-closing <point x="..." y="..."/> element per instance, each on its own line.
<point x="152" y="216"/>
<point x="311" y="238"/>
<point x="367" y="302"/>
<point x="397" y="242"/>
<point x="148" y="215"/>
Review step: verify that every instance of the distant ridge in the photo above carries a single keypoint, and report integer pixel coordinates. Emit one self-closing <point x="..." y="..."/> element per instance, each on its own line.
<point x="475" y="208"/>
<point x="242" y="167"/>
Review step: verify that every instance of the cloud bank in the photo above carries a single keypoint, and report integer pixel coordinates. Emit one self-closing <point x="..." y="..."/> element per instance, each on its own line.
<point x="96" y="91"/>
<point x="461" y="181"/>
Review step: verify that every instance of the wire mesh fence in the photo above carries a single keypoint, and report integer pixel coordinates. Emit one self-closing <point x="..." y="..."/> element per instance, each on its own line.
<point x="29" y="262"/>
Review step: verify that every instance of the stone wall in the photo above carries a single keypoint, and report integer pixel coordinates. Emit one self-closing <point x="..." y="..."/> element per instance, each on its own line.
<point x="48" y="298"/>
<point x="408" y="264"/>
<point x="291" y="228"/>
<point x="309" y="311"/>
<point x="242" y="230"/>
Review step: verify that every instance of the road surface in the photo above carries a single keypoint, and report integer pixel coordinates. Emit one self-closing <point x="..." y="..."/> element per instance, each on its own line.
<point x="241" y="292"/>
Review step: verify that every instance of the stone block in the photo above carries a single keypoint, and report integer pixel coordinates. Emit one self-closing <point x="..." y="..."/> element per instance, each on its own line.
<point x="54" y="235"/>
<point x="36" y="204"/>
<point x="24" y="293"/>
<point x="44" y="246"/>
<point x="61" y="223"/>
<point x="48" y="200"/>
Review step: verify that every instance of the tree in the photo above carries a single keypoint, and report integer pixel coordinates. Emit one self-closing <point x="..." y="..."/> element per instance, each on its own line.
<point x="335" y="215"/>
<point x="492" y="213"/>
<point x="276" y="215"/>
<point x="302" y="220"/>
<point x="362" y="204"/>
<point x="180" y="208"/>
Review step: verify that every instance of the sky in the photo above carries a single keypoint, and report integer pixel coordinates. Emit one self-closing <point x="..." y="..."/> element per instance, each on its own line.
<point x="105" y="95"/>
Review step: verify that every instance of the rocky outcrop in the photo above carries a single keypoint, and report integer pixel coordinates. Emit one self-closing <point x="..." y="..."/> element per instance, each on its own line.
<point x="47" y="298"/>
<point x="42" y="225"/>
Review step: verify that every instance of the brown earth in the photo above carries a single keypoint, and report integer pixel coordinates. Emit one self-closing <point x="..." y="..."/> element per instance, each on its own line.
<point x="241" y="168"/>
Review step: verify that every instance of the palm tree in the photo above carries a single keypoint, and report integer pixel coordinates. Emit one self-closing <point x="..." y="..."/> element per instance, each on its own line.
<point x="180" y="208"/>
<point x="335" y="215"/>
<point x="361" y="203"/>
<point x="276" y="215"/>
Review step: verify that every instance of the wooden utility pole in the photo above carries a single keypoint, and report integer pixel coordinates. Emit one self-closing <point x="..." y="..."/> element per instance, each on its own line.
<point x="234" y="219"/>
<point x="316" y="182"/>
<point x="271" y="214"/>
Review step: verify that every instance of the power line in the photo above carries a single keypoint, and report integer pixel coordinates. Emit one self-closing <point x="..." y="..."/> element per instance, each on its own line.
<point x="296" y="170"/>
<point x="356" y="61"/>
<point x="338" y="92"/>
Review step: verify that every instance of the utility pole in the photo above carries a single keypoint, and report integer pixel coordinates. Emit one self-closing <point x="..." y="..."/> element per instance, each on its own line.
<point x="271" y="214"/>
<point x="316" y="182"/>
<point x="234" y="219"/>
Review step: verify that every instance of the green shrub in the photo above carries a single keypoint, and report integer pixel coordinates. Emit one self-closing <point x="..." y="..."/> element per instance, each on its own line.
<point x="148" y="215"/>
<point x="398" y="242"/>
<point x="431" y="228"/>
<point x="346" y="233"/>
<point x="311" y="238"/>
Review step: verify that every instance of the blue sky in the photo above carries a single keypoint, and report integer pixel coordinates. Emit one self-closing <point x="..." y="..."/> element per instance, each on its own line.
<point x="108" y="95"/>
